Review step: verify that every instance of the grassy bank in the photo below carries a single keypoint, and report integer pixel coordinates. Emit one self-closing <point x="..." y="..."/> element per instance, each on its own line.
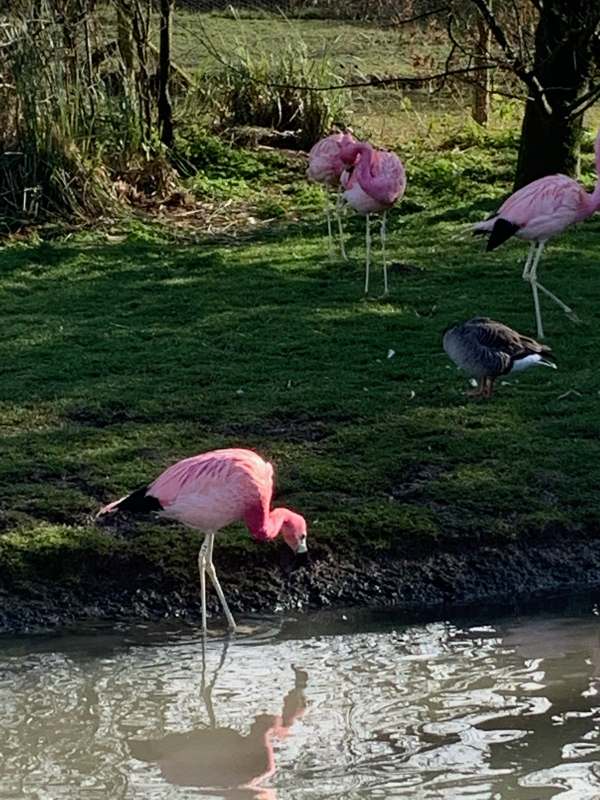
<point x="125" y="350"/>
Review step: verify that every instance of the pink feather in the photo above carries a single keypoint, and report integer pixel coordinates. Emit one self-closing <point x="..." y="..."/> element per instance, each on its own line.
<point x="377" y="181"/>
<point x="547" y="206"/>
<point x="327" y="159"/>
<point x="215" y="489"/>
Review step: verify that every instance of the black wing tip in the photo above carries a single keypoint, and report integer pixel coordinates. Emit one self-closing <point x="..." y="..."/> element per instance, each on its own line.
<point x="502" y="230"/>
<point x="139" y="502"/>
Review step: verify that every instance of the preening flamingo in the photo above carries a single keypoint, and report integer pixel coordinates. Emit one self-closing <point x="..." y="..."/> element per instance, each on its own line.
<point x="375" y="182"/>
<point x="537" y="212"/>
<point x="486" y="349"/>
<point x="210" y="491"/>
<point x="326" y="162"/>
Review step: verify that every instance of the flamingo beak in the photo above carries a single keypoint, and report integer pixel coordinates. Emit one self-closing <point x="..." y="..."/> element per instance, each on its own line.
<point x="302" y="548"/>
<point x="302" y="558"/>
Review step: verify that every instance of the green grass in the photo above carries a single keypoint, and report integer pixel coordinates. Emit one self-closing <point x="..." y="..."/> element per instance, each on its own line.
<point x="121" y="354"/>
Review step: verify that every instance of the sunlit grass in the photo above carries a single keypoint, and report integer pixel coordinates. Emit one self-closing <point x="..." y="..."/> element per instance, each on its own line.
<point x="122" y="355"/>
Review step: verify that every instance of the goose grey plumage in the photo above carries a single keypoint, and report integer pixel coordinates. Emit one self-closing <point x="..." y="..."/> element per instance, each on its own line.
<point x="486" y="349"/>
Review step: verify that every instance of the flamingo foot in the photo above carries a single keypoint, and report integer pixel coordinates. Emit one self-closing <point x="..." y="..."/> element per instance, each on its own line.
<point x="573" y="316"/>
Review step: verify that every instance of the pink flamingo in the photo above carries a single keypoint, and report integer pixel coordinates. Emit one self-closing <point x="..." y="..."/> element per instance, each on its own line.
<point x="375" y="182"/>
<point x="210" y="491"/>
<point x="537" y="212"/>
<point x="326" y="162"/>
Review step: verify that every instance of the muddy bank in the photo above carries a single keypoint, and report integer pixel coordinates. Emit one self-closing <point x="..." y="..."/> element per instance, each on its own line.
<point x="265" y="582"/>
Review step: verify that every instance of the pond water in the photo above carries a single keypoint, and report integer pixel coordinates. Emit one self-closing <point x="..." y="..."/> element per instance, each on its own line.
<point x="335" y="705"/>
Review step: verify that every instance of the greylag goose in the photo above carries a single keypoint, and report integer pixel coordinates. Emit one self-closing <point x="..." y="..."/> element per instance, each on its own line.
<point x="486" y="349"/>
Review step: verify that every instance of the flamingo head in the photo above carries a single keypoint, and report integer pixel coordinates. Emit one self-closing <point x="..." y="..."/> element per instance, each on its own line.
<point x="293" y="531"/>
<point x="349" y="149"/>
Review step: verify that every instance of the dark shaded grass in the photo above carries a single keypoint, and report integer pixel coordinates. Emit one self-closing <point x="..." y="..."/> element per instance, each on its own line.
<point x="118" y="359"/>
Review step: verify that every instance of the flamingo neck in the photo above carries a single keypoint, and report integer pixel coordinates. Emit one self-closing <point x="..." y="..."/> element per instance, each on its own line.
<point x="594" y="199"/>
<point x="363" y="169"/>
<point x="265" y="527"/>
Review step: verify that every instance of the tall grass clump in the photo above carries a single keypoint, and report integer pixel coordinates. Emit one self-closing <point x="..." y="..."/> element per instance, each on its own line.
<point x="68" y="119"/>
<point x="278" y="90"/>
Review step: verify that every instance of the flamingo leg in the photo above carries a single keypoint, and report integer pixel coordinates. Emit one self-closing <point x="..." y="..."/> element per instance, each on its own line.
<point x="383" y="234"/>
<point x="368" y="245"/>
<point x="528" y="260"/>
<point x="202" y="558"/>
<point x="567" y="309"/>
<point x="532" y="278"/>
<point x="329" y="232"/>
<point x="338" y="214"/>
<point x="535" y="284"/>
<point x="212" y="574"/>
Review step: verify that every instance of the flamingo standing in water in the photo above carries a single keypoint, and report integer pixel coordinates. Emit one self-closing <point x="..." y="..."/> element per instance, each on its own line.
<point x="210" y="491"/>
<point x="326" y="162"/>
<point x="536" y="213"/>
<point x="374" y="183"/>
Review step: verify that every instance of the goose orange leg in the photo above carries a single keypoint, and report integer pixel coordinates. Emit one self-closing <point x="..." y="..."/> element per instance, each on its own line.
<point x="479" y="391"/>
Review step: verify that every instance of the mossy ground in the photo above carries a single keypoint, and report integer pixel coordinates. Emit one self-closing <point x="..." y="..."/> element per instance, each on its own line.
<point x="125" y="351"/>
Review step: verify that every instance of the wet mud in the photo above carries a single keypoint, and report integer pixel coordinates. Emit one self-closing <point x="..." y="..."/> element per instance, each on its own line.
<point x="264" y="580"/>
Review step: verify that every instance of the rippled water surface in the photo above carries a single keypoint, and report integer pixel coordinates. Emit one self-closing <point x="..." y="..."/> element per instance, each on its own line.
<point x="325" y="706"/>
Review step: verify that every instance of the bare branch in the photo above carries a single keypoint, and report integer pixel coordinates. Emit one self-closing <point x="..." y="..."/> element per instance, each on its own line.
<point x="527" y="76"/>
<point x="497" y="31"/>
<point x="455" y="43"/>
<point x="405" y="80"/>
<point x="585" y="101"/>
<point x="447" y="66"/>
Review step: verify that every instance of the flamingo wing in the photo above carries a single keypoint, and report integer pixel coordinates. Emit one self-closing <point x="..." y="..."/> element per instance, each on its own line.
<point x="325" y="162"/>
<point x="387" y="179"/>
<point x="212" y="490"/>
<point x="544" y="207"/>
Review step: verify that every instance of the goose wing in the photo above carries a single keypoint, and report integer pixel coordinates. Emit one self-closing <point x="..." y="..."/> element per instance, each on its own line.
<point x="484" y="347"/>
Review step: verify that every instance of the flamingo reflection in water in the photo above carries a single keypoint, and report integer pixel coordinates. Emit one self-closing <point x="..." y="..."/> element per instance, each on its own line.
<point x="215" y="758"/>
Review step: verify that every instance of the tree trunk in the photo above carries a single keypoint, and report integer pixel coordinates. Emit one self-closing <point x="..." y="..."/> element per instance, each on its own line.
<point x="165" y="110"/>
<point x="549" y="144"/>
<point x="551" y="133"/>
<point x="481" y="91"/>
